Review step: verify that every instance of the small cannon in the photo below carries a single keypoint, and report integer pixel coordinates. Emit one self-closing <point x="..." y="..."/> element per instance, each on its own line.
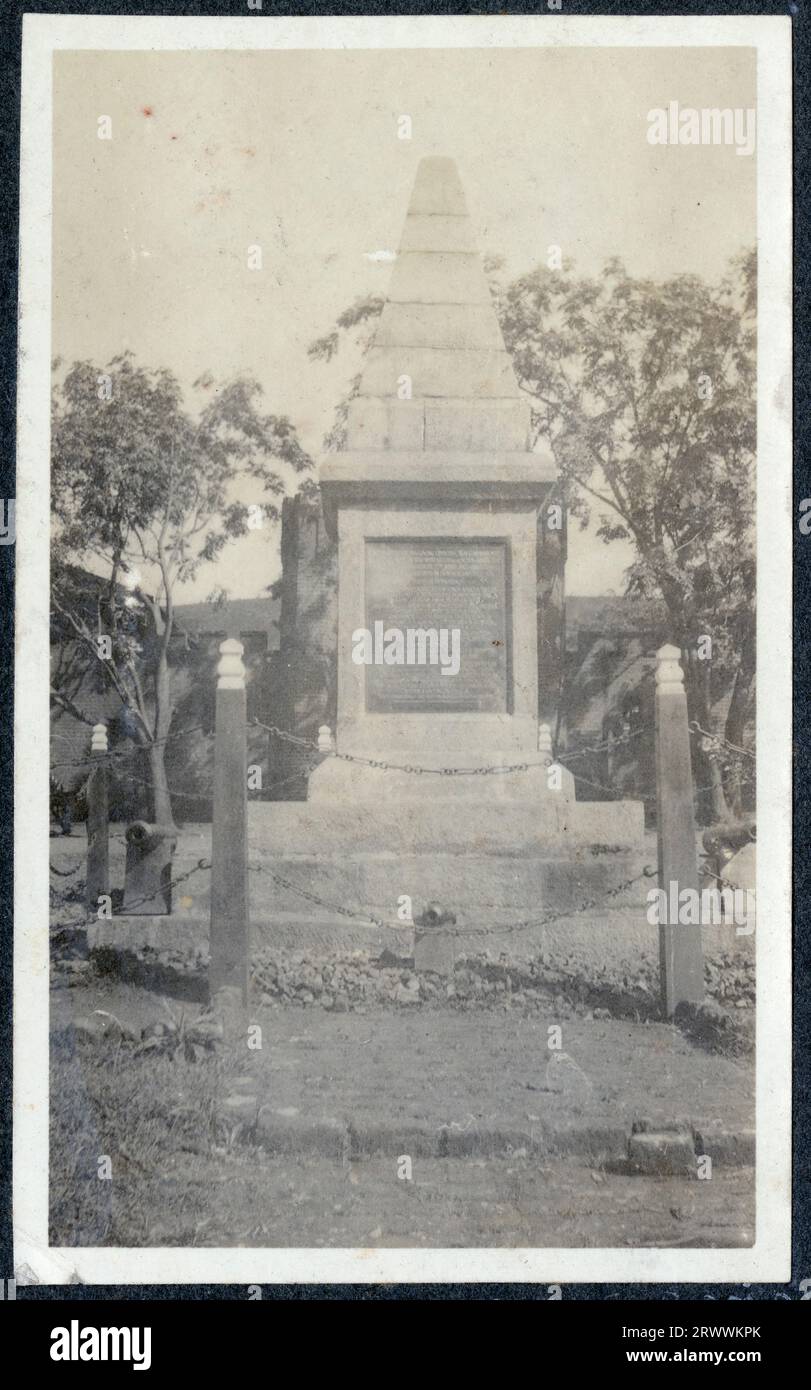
<point x="722" y="842"/>
<point x="435" y="915"/>
<point x="434" y="945"/>
<point x="148" y="870"/>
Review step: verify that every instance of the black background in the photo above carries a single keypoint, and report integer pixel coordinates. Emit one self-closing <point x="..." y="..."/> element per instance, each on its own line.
<point x="30" y="1319"/>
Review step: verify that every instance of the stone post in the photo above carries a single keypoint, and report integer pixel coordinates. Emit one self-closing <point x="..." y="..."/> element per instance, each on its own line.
<point x="230" y="934"/>
<point x="681" y="961"/>
<point x="98" y="822"/>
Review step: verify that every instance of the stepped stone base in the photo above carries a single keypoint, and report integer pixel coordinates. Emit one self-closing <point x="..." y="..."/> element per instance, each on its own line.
<point x="487" y="863"/>
<point x="345" y="869"/>
<point x="550" y="830"/>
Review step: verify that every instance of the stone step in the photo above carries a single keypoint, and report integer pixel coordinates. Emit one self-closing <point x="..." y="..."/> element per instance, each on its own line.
<point x="514" y="829"/>
<point x="473" y="888"/>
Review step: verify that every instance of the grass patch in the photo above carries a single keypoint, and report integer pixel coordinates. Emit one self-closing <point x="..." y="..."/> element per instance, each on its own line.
<point x="156" y="1120"/>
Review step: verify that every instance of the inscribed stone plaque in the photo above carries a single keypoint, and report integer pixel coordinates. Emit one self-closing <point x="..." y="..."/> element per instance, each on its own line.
<point x="449" y="600"/>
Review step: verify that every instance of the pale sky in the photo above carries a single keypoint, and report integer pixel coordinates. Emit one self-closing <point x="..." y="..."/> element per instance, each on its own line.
<point x="298" y="152"/>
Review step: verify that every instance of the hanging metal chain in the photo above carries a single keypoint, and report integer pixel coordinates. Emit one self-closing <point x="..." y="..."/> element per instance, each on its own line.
<point x="489" y="929"/>
<point x="109" y="758"/>
<point x="285" y="735"/>
<point x="696" y="728"/>
<point x="147" y="897"/>
<point x="608" y="746"/>
<point x="416" y="770"/>
<point x="725" y="883"/>
<point x="64" y="873"/>
<point x="320" y="902"/>
<point x="440" y="771"/>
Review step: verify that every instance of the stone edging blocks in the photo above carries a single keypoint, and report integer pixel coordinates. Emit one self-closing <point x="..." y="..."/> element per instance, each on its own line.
<point x="651" y="1148"/>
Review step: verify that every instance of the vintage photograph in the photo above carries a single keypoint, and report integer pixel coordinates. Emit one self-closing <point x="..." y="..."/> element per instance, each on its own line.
<point x="405" y="622"/>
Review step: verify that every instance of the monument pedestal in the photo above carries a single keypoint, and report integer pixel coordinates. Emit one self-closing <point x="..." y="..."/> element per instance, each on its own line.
<point x="489" y="862"/>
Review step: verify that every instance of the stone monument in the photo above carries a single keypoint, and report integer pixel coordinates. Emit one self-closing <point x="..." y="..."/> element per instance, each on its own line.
<point x="436" y="501"/>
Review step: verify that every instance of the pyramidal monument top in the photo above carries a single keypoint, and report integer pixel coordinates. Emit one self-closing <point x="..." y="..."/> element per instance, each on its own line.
<point x="438" y="376"/>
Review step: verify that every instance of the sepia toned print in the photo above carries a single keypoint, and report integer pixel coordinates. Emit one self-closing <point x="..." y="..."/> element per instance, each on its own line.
<point x="406" y="612"/>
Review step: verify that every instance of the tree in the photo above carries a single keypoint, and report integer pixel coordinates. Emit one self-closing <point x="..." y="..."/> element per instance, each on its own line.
<point x="645" y="392"/>
<point x="361" y="319"/>
<point x="144" y="492"/>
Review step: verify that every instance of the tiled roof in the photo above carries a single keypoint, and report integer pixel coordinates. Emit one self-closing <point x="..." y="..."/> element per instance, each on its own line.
<point x="233" y="617"/>
<point x="613" y="615"/>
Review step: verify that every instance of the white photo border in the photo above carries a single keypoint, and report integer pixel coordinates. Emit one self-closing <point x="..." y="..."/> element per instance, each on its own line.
<point x="768" y="1260"/>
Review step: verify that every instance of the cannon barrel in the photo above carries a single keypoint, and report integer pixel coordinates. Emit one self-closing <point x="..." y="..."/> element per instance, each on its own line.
<point x="145" y="837"/>
<point x="435" y="915"/>
<point x="726" y="840"/>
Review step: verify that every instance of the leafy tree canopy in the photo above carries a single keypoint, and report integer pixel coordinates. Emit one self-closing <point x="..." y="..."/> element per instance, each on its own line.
<point x="146" y="491"/>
